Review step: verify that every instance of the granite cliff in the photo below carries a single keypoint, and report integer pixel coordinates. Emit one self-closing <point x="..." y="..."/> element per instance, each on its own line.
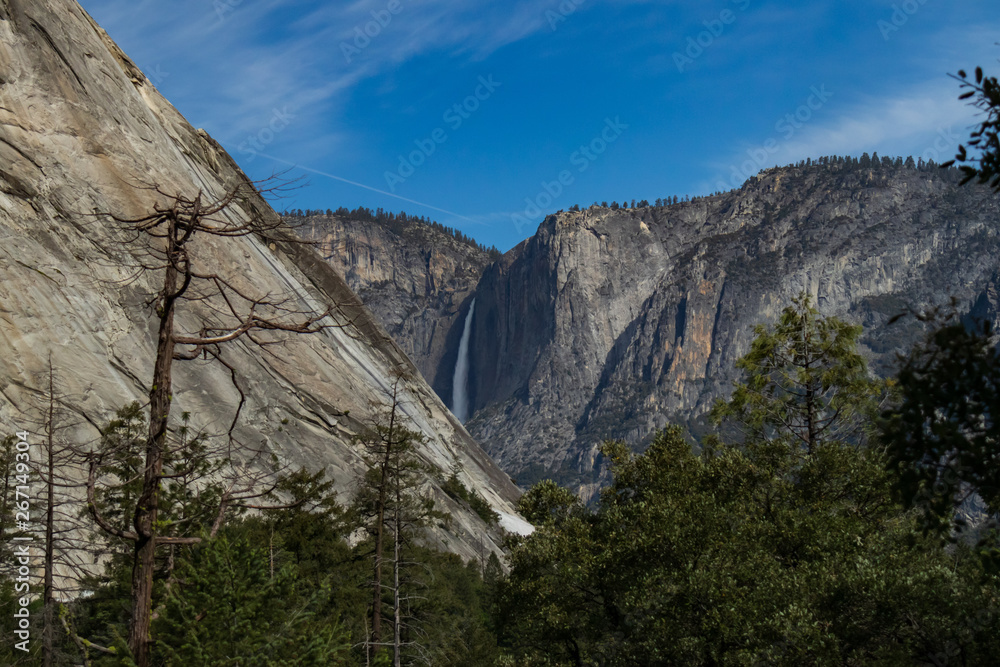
<point x="416" y="279"/>
<point x="608" y="323"/>
<point x="81" y="131"/>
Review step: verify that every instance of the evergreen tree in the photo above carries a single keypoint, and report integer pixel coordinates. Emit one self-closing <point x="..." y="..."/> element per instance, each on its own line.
<point x="227" y="607"/>
<point x="805" y="381"/>
<point x="392" y="510"/>
<point x="174" y="228"/>
<point x="944" y="435"/>
<point x="774" y="549"/>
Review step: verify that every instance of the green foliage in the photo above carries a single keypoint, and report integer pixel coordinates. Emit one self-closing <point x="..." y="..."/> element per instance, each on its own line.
<point x="391" y="508"/>
<point x="122" y="445"/>
<point x="394" y="472"/>
<point x="450" y="625"/>
<point x="447" y="605"/>
<point x="102" y="615"/>
<point x="984" y="93"/>
<point x="455" y="489"/>
<point x="229" y="606"/>
<point x="804" y="382"/>
<point x="744" y="556"/>
<point x="548" y="503"/>
<point x="188" y="501"/>
<point x="944" y="436"/>
<point x="785" y="547"/>
<point x="282" y="585"/>
<point x="9" y="604"/>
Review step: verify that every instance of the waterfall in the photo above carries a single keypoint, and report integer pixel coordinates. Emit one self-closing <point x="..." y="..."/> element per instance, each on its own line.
<point x="460" y="383"/>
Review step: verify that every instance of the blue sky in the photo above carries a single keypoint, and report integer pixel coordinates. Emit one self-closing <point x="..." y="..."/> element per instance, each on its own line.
<point x="485" y="115"/>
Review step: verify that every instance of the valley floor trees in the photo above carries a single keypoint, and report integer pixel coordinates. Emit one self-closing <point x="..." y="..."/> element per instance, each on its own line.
<point x="943" y="437"/>
<point x="213" y="551"/>
<point x="784" y="546"/>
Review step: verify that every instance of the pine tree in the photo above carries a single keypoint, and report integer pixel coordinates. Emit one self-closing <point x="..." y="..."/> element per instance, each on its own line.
<point x="944" y="435"/>
<point x="768" y="549"/>
<point x="805" y="381"/>
<point x="392" y="510"/>
<point x="228" y="607"/>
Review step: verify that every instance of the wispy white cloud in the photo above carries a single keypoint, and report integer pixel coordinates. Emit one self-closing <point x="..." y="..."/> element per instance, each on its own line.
<point x="249" y="59"/>
<point x="923" y="120"/>
<point x="910" y="123"/>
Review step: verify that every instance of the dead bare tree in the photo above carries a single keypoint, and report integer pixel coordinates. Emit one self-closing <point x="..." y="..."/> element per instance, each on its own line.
<point x="391" y="508"/>
<point x="59" y="470"/>
<point x="49" y="479"/>
<point x="170" y="232"/>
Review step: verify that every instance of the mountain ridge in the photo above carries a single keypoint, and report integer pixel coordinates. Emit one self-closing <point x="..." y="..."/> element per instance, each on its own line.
<point x="609" y="322"/>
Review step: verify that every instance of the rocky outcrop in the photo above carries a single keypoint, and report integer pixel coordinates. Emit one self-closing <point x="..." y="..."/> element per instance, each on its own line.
<point x="417" y="280"/>
<point x="607" y="324"/>
<point x="83" y="131"/>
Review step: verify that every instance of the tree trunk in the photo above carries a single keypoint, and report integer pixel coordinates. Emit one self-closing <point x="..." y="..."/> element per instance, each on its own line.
<point x="147" y="506"/>
<point x="396" y="621"/>
<point x="48" y="597"/>
<point x="379" y="533"/>
<point x="377" y="576"/>
<point x="810" y="397"/>
<point x="811" y="416"/>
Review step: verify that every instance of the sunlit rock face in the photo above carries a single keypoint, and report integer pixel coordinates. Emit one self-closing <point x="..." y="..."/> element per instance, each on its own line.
<point x="81" y="131"/>
<point x="610" y="323"/>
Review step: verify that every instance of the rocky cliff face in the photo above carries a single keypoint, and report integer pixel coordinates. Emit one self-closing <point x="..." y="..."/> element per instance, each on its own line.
<point x="81" y="130"/>
<point x="417" y="281"/>
<point x="607" y="324"/>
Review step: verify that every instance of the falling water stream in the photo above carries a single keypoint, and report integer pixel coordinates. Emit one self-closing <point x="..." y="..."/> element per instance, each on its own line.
<point x="460" y="383"/>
